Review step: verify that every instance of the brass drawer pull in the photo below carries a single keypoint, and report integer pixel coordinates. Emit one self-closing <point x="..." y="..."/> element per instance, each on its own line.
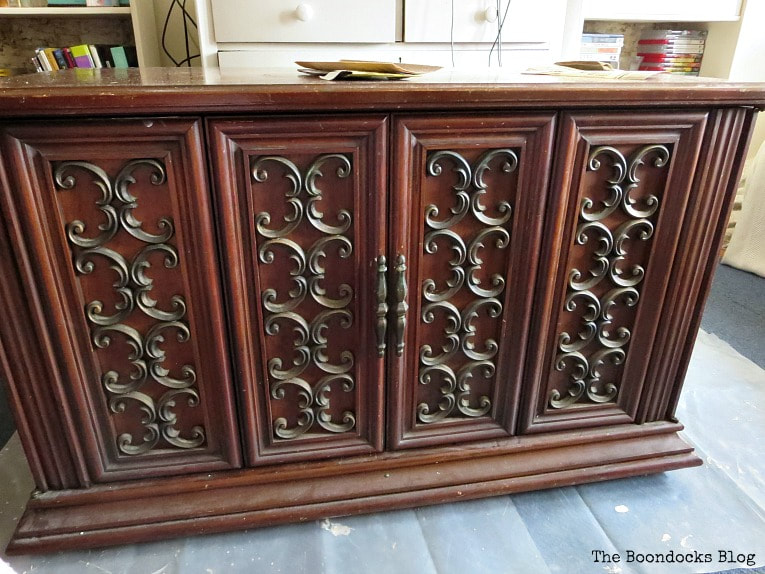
<point x="401" y="304"/>
<point x="382" y="304"/>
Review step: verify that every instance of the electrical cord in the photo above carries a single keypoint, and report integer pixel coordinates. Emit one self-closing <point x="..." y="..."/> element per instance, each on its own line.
<point x="499" y="33"/>
<point x="498" y="39"/>
<point x="187" y="18"/>
<point x="451" y="35"/>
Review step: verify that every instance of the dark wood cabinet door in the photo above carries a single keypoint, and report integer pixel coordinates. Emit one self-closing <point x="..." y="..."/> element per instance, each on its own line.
<point x="301" y="203"/>
<point x="469" y="198"/>
<point x="622" y="184"/>
<point x="112" y="236"/>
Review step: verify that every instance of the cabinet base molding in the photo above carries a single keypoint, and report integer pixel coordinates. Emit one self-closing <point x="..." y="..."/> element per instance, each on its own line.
<point x="139" y="511"/>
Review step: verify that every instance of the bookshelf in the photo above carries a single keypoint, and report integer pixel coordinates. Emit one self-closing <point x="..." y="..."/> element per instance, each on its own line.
<point x="136" y="22"/>
<point x="733" y="50"/>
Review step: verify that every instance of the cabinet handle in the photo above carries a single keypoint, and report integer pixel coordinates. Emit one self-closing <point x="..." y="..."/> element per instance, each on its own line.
<point x="401" y="304"/>
<point x="382" y="304"/>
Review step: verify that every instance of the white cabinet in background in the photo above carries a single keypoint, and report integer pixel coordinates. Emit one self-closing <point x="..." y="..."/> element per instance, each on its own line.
<point x="242" y="21"/>
<point x="276" y="33"/>
<point x="527" y="21"/>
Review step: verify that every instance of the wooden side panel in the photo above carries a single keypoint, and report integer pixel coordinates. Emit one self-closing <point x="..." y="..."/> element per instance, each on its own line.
<point x="714" y="187"/>
<point x="112" y="232"/>
<point x="469" y="203"/>
<point x="34" y="392"/>
<point x="622" y="187"/>
<point x="302" y="209"/>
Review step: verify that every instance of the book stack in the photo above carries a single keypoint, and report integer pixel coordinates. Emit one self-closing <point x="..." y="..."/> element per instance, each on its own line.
<point x="673" y="51"/>
<point x="85" y="56"/>
<point x="602" y="48"/>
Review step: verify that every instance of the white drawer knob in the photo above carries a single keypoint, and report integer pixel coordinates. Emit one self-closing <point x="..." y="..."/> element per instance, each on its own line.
<point x="490" y="14"/>
<point x="304" y="12"/>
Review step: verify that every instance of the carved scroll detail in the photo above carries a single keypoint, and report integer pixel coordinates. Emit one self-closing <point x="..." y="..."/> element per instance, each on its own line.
<point x="602" y="295"/>
<point x="305" y="385"/>
<point x="459" y="358"/>
<point x="128" y="392"/>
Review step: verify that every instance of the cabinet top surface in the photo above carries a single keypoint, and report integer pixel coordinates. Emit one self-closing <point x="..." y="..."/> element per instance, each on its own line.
<point x="193" y="90"/>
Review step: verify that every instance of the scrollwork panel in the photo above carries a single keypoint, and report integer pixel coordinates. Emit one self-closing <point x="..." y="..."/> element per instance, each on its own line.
<point x="467" y="201"/>
<point x="122" y="236"/>
<point x="304" y="227"/>
<point x="619" y="203"/>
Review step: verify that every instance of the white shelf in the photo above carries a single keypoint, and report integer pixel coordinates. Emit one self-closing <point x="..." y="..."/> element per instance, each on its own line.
<point x="662" y="10"/>
<point x="64" y="11"/>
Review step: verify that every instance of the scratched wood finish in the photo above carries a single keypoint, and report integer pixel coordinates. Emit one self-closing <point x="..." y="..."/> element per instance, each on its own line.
<point x="120" y="92"/>
<point x="265" y="496"/>
<point x="125" y="300"/>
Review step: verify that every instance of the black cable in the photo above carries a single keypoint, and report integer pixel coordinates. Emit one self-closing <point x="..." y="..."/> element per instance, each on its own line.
<point x="164" y="34"/>
<point x="499" y="33"/>
<point x="186" y="34"/>
<point x="187" y="18"/>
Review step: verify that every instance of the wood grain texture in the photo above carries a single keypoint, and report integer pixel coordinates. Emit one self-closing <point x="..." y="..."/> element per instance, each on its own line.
<point x="40" y="425"/>
<point x="129" y="305"/>
<point x="187" y="358"/>
<point x="623" y="182"/>
<point x="222" y="502"/>
<point x="192" y="90"/>
<point x="301" y="204"/>
<point x="716" y="181"/>
<point x="467" y="217"/>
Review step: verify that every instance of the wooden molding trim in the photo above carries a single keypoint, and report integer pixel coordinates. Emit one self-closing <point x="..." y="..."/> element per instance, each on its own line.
<point x="202" y="504"/>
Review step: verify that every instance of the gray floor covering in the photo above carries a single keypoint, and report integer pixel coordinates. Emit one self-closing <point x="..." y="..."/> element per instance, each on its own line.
<point x="717" y="507"/>
<point x="735" y="312"/>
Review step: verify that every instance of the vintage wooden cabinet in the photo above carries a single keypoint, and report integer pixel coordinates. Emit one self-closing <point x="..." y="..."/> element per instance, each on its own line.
<point x="246" y="300"/>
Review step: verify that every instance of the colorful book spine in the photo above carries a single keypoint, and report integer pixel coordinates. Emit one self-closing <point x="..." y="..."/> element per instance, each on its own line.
<point x="69" y="58"/>
<point x="671" y="42"/>
<point x="603" y="39"/>
<point x="58" y="54"/>
<point x="119" y="57"/>
<point x="669" y="61"/>
<point x="670" y="68"/>
<point x="51" y="58"/>
<point x="601" y="47"/>
<point x="673" y="51"/>
<point x="42" y="59"/>
<point x="82" y="57"/>
<point x="94" y="56"/>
